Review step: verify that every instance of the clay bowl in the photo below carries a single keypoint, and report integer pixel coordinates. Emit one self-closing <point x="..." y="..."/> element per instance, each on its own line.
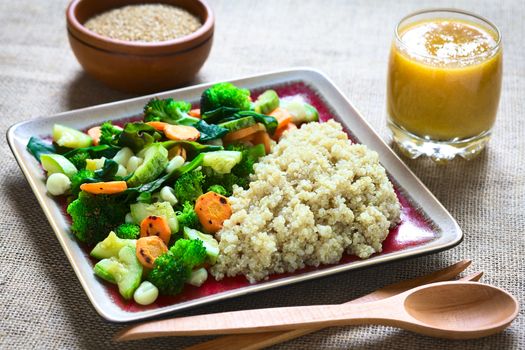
<point x="139" y="67"/>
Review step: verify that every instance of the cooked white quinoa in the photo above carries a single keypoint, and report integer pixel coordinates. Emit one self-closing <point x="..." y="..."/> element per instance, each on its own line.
<point x="148" y="23"/>
<point x="315" y="196"/>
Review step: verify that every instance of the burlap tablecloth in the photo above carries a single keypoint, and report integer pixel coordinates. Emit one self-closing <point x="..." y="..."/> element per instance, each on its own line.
<point x="42" y="304"/>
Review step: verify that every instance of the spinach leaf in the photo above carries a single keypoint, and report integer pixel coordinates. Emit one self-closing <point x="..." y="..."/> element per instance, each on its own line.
<point x="94" y="152"/>
<point x="210" y="131"/>
<point x="37" y="147"/>
<point x="219" y="114"/>
<point x="108" y="171"/>
<point x="144" y="191"/>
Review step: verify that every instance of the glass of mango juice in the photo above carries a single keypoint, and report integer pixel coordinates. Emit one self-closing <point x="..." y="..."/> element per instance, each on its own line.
<point x="443" y="84"/>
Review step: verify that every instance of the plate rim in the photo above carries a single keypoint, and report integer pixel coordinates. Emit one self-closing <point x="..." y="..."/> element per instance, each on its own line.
<point x="121" y="315"/>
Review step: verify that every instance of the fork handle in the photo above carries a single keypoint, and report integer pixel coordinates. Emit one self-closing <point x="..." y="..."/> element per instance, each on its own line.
<point x="265" y="320"/>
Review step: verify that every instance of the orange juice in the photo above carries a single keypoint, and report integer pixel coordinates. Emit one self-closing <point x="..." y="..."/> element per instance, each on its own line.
<point x="444" y="79"/>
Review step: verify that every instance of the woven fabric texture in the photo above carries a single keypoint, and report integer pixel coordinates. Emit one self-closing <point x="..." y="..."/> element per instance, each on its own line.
<point x="42" y="303"/>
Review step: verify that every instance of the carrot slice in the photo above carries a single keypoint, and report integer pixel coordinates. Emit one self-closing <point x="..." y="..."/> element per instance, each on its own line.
<point x="95" y="133"/>
<point x="155" y="226"/>
<point x="279" y="133"/>
<point x="262" y="137"/>
<point x="196" y="113"/>
<point x="110" y="187"/>
<point x="148" y="249"/>
<point x="243" y="133"/>
<point x="212" y="210"/>
<point x="283" y="117"/>
<point x="181" y="132"/>
<point x="159" y="126"/>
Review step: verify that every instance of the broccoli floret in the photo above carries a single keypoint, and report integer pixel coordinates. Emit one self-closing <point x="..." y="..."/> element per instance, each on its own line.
<point x="190" y="252"/>
<point x="218" y="189"/>
<point x="93" y="216"/>
<point x="172" y="269"/>
<point x="225" y="95"/>
<point x="245" y="167"/>
<point x="79" y="159"/>
<point x="188" y="217"/>
<point x="226" y="181"/>
<point x="128" y="231"/>
<point x="188" y="187"/>
<point x="168" y="274"/>
<point x="169" y="111"/>
<point x="109" y="133"/>
<point x="82" y="176"/>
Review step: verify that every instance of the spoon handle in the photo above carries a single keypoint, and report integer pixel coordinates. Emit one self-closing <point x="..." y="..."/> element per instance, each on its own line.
<point x="264" y="320"/>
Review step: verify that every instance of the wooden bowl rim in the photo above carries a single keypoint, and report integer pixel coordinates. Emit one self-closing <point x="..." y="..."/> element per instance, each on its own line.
<point x="184" y="43"/>
<point x="140" y="54"/>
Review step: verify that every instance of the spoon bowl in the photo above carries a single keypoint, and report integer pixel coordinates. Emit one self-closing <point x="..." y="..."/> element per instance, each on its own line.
<point x="454" y="310"/>
<point x="466" y="307"/>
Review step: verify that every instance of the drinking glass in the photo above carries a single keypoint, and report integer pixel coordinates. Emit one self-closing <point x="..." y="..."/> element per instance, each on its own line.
<point x="443" y="84"/>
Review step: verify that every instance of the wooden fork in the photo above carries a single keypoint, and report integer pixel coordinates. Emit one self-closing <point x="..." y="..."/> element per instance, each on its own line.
<point x="254" y="341"/>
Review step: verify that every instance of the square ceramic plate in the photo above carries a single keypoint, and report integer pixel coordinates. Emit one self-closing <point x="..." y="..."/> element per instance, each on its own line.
<point x="426" y="225"/>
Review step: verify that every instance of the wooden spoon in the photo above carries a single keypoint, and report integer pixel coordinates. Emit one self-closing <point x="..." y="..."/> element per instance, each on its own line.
<point x="454" y="310"/>
<point x="257" y="341"/>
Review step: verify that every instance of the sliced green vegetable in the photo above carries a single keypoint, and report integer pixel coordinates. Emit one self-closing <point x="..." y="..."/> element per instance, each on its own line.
<point x="222" y="161"/>
<point x="111" y="246"/>
<point x="107" y="269"/>
<point x="122" y="157"/>
<point x="37" y="147"/>
<point x="238" y="124"/>
<point x="266" y="102"/>
<point x="56" y="163"/>
<point x="210" y="243"/>
<point x="125" y="271"/>
<point x="71" y="138"/>
<point x="301" y="111"/>
<point x="155" y="160"/>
